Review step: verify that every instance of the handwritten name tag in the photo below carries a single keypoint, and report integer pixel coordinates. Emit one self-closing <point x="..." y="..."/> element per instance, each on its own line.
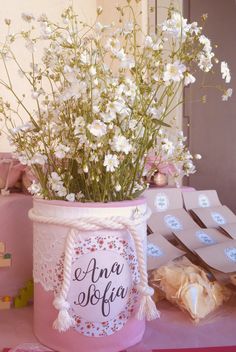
<point x="102" y="293"/>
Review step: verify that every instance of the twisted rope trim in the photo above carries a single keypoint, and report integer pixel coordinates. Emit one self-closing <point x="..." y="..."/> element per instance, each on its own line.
<point x="147" y="308"/>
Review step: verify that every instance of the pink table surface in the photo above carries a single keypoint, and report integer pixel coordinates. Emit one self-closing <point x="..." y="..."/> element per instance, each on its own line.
<point x="16" y="233"/>
<point x="173" y="330"/>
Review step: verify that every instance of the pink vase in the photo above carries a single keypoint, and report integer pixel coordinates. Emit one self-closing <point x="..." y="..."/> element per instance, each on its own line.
<point x="103" y="297"/>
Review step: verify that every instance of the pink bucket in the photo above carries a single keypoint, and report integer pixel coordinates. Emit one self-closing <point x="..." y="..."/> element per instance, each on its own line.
<point x="103" y="297"/>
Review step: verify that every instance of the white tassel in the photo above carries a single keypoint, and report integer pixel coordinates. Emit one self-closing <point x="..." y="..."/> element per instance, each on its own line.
<point x="147" y="308"/>
<point x="64" y="321"/>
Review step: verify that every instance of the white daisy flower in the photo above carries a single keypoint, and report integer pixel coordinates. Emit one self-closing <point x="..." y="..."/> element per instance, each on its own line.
<point x="111" y="162"/>
<point x="174" y="72"/>
<point x="97" y="128"/>
<point x="121" y="144"/>
<point x="176" y="26"/>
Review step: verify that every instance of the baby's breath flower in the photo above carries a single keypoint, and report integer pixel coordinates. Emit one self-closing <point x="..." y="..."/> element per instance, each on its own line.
<point x="96" y="113"/>
<point x="99" y="10"/>
<point x="189" y="79"/>
<point x="61" y="151"/>
<point x="174" y="72"/>
<point x="121" y="144"/>
<point x="111" y="162"/>
<point x="70" y="197"/>
<point x="225" y="72"/>
<point x="227" y="94"/>
<point x="35" y="188"/>
<point x="7" y="21"/>
<point x="27" y="17"/>
<point x="97" y="128"/>
<point x="197" y="156"/>
<point x="118" y="187"/>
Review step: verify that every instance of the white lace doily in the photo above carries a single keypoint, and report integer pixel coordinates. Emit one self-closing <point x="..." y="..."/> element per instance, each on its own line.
<point x="48" y="251"/>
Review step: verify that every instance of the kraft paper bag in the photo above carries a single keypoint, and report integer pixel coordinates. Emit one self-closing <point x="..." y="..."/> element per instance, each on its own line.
<point x="221" y="256"/>
<point x="215" y="216"/>
<point x="230" y="229"/>
<point x="160" y="200"/>
<point x="194" y="239"/>
<point x="201" y="199"/>
<point x="165" y="223"/>
<point x="160" y="251"/>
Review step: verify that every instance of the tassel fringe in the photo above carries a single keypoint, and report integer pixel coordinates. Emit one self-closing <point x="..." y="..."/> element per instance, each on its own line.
<point x="64" y="321"/>
<point x="147" y="308"/>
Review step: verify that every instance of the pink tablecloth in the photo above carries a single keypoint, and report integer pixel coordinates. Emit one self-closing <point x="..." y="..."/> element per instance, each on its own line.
<point x="173" y="331"/>
<point x="16" y="233"/>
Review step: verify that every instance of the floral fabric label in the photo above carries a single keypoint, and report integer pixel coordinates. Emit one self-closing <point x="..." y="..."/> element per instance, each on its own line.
<point x="173" y="223"/>
<point x="203" y="201"/>
<point x="218" y="218"/>
<point x="161" y="202"/>
<point x="231" y="254"/>
<point x="205" y="238"/>
<point x="102" y="294"/>
<point x="153" y="250"/>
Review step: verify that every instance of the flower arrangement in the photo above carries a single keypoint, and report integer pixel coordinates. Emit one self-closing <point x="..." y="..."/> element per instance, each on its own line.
<point x="171" y="157"/>
<point x="102" y="93"/>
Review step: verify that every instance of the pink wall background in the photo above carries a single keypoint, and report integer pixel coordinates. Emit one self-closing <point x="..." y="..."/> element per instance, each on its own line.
<point x="16" y="233"/>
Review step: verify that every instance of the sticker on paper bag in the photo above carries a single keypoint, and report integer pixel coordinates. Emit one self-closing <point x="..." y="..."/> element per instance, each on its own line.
<point x="220" y="256"/>
<point x="160" y="251"/>
<point x="161" y="202"/>
<point x="102" y="295"/>
<point x="172" y="222"/>
<point x="231" y="253"/>
<point x="153" y="250"/>
<point x="203" y="201"/>
<point x="204" y="238"/>
<point x="218" y="218"/>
